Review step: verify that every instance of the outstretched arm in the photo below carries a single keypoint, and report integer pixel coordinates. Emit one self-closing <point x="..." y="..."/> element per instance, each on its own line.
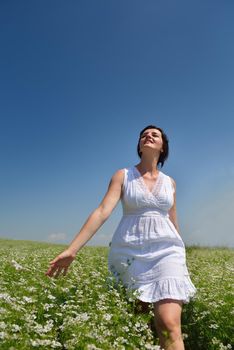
<point x="95" y="220"/>
<point x="172" y="211"/>
<point x="99" y="215"/>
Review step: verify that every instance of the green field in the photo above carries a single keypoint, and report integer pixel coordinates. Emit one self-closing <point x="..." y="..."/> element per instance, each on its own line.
<point x="84" y="310"/>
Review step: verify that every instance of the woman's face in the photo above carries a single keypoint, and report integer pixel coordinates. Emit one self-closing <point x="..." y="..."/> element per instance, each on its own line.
<point x="151" y="138"/>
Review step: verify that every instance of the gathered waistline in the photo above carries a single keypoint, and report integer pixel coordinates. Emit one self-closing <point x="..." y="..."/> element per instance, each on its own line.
<point x="147" y="213"/>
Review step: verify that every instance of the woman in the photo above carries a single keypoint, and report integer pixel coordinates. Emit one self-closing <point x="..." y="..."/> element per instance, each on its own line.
<point x="147" y="252"/>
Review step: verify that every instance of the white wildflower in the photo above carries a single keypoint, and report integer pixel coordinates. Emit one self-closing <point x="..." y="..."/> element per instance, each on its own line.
<point x="184" y="335"/>
<point x="39" y="329"/>
<point x="47" y="306"/>
<point x="92" y="347"/>
<point x="28" y="299"/>
<point x="213" y="326"/>
<point x="121" y="340"/>
<point x="15" y="328"/>
<point x="3" y="325"/>
<point x="46" y="342"/>
<point x="51" y="297"/>
<point x="83" y="317"/>
<point x="2" y="310"/>
<point x="6" y="297"/>
<point x="55" y="344"/>
<point x="152" y="347"/>
<point x="3" y="335"/>
<point x="222" y="346"/>
<point x="204" y="313"/>
<point x="215" y="340"/>
<point x="107" y="317"/>
<point x="16" y="265"/>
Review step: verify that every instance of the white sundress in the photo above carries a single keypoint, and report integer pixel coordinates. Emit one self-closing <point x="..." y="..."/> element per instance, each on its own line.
<point x="146" y="252"/>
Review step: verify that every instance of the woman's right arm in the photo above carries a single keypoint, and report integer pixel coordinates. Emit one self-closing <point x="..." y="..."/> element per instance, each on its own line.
<point x="95" y="220"/>
<point x="99" y="215"/>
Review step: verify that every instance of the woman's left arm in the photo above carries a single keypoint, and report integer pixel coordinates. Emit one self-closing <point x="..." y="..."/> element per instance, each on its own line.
<point x="172" y="211"/>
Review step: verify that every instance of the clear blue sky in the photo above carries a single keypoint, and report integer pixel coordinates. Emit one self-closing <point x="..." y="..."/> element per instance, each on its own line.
<point x="80" y="79"/>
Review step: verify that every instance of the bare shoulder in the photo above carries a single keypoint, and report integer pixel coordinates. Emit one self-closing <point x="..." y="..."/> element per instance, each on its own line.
<point x="118" y="176"/>
<point x="117" y="181"/>
<point x="119" y="173"/>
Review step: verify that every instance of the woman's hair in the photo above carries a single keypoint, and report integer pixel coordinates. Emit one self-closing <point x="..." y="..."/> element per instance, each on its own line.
<point x="165" y="153"/>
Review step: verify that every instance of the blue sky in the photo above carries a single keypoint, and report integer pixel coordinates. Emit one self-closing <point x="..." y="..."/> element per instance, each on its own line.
<point x="80" y="79"/>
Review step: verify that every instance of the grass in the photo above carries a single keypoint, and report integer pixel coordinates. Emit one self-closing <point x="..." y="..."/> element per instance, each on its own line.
<point x="84" y="310"/>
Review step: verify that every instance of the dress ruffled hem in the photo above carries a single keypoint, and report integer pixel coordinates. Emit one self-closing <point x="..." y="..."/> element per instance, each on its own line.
<point x="169" y="288"/>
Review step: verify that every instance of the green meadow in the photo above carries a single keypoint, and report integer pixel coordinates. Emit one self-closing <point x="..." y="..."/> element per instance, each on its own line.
<point x="86" y="310"/>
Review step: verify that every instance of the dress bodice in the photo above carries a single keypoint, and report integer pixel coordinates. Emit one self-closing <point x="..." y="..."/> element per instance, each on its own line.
<point x="137" y="198"/>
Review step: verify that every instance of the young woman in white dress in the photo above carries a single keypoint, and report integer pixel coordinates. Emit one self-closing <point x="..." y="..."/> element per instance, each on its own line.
<point x="152" y="149"/>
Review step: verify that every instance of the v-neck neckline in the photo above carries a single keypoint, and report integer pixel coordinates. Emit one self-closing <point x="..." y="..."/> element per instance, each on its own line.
<point x="143" y="184"/>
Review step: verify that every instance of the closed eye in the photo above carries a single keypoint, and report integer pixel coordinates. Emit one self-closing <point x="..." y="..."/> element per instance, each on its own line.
<point x="155" y="135"/>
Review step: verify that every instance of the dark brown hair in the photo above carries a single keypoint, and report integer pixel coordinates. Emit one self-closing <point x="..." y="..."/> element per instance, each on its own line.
<point x="165" y="153"/>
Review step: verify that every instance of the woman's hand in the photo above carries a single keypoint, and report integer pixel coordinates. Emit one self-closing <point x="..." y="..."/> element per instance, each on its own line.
<point x="60" y="264"/>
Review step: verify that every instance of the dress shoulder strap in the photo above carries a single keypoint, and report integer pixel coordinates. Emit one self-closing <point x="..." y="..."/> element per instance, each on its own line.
<point x="127" y="177"/>
<point x="170" y="183"/>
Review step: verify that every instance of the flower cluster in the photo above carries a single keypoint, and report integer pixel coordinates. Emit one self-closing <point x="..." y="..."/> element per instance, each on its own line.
<point x="87" y="309"/>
